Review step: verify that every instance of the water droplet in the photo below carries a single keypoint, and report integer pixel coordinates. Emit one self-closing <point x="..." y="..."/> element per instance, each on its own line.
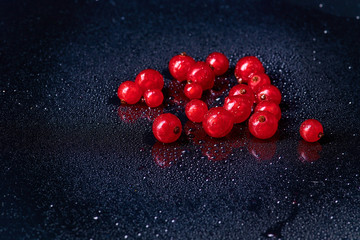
<point x="321" y="5"/>
<point x="325" y="31"/>
<point x="96" y="218"/>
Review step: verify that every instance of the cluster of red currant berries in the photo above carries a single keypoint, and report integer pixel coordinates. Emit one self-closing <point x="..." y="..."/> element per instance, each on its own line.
<point x="254" y="88"/>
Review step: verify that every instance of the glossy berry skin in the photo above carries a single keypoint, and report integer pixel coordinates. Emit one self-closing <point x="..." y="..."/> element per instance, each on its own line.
<point x="167" y="128"/>
<point x="239" y="107"/>
<point x="311" y="130"/>
<point x="263" y="125"/>
<point x="149" y="79"/>
<point x="269" y="107"/>
<point x="242" y="90"/>
<point x="201" y="73"/>
<point x="246" y="67"/>
<point x="153" y="97"/>
<point x="269" y="93"/>
<point x="193" y="90"/>
<point x="257" y="80"/>
<point x="219" y="62"/>
<point x="129" y="92"/>
<point x="195" y="110"/>
<point x="179" y="66"/>
<point x="218" y="122"/>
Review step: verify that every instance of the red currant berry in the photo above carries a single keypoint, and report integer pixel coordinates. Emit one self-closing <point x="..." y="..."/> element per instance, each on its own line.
<point x="218" y="122"/>
<point x="149" y="79"/>
<point x="263" y="125"/>
<point x="167" y="128"/>
<point x="179" y="66"/>
<point x="129" y="92"/>
<point x="201" y="73"/>
<point x="195" y="110"/>
<point x="257" y="80"/>
<point x="311" y="130"/>
<point x="193" y="90"/>
<point x="242" y="90"/>
<point x="153" y="97"/>
<point x="270" y="107"/>
<point x="240" y="107"/>
<point x="268" y="92"/>
<point x="247" y="66"/>
<point x="219" y="62"/>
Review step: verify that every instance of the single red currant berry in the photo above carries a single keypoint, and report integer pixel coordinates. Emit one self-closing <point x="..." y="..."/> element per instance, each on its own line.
<point x="218" y="122"/>
<point x="167" y="128"/>
<point x="257" y="80"/>
<point x="201" y="73"/>
<point x="247" y="66"/>
<point x="311" y="130"/>
<point x="129" y="92"/>
<point x="219" y="62"/>
<point x="179" y="66"/>
<point x="263" y="125"/>
<point x="195" y="110"/>
<point x="193" y="90"/>
<point x="270" y="107"/>
<point x="153" y="97"/>
<point x="268" y="92"/>
<point x="149" y="79"/>
<point x="239" y="107"/>
<point x="242" y="90"/>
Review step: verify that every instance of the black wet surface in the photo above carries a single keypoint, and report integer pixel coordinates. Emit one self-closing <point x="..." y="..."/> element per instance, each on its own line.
<point x="77" y="165"/>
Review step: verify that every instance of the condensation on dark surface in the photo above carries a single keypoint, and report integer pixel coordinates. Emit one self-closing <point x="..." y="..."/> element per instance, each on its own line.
<point x="75" y="164"/>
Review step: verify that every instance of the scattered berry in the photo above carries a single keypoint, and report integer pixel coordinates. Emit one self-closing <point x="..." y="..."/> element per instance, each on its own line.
<point x="193" y="90"/>
<point x="311" y="130"/>
<point x="263" y="125"/>
<point x="269" y="93"/>
<point x="129" y="92"/>
<point x="218" y="122"/>
<point x="179" y="66"/>
<point x="239" y="107"/>
<point x="149" y="79"/>
<point x="195" y="110"/>
<point x="247" y="66"/>
<point x="201" y="73"/>
<point x="242" y="90"/>
<point x="153" y="97"/>
<point x="257" y="80"/>
<point x="269" y="107"/>
<point x="218" y="62"/>
<point x="167" y="128"/>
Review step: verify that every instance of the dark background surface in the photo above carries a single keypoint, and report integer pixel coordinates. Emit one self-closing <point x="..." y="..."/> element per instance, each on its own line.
<point x="73" y="168"/>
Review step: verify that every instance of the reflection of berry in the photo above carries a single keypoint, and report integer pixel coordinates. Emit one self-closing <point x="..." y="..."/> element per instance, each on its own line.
<point x="130" y="114"/>
<point x="149" y="79"/>
<point x="309" y="152"/>
<point x="218" y="62"/>
<point x="129" y="92"/>
<point x="247" y="66"/>
<point x="179" y="66"/>
<point x="153" y="97"/>
<point x="221" y="85"/>
<point x="194" y="132"/>
<point x="176" y="94"/>
<point x="166" y="154"/>
<point x="239" y="107"/>
<point x="269" y="107"/>
<point x="258" y="80"/>
<point x="311" y="130"/>
<point x="218" y="122"/>
<point x="215" y="149"/>
<point x="167" y="128"/>
<point x="269" y="93"/>
<point x="263" y="125"/>
<point x="193" y="90"/>
<point x="195" y="110"/>
<point x="152" y="113"/>
<point x="262" y="149"/>
<point x="242" y="90"/>
<point x="201" y="73"/>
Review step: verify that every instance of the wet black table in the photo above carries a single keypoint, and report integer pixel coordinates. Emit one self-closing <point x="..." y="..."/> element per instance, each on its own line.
<point x="75" y="164"/>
